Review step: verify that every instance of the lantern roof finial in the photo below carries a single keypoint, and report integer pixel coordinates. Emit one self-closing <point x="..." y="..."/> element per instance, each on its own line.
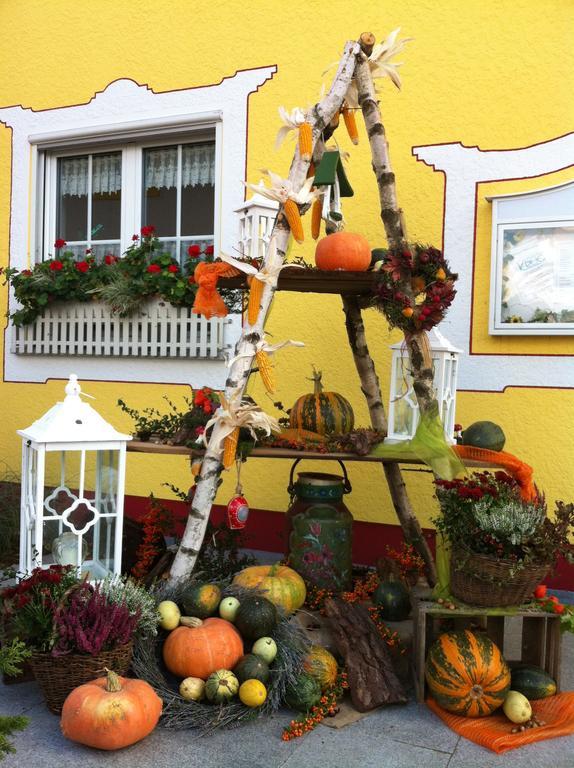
<point x="72" y="421"/>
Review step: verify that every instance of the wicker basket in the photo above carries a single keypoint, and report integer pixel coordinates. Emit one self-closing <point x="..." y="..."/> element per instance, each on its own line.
<point x="57" y="676"/>
<point x="489" y="581"/>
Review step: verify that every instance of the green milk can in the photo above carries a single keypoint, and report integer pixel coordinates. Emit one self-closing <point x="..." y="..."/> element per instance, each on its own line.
<point x="320" y="529"/>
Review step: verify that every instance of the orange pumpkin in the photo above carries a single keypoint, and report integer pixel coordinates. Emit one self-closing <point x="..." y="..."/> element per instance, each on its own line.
<point x="281" y="585"/>
<point x="466" y="673"/>
<point x="111" y="712"/>
<point x="200" y="650"/>
<point x="348" y="251"/>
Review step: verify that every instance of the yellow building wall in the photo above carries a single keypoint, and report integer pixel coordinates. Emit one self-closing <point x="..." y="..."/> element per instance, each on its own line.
<point x="492" y="73"/>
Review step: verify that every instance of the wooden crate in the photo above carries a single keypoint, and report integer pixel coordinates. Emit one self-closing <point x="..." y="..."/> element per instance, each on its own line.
<point x="540" y="643"/>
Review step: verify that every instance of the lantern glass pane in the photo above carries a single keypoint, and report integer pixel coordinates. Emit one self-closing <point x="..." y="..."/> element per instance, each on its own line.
<point x="405" y="411"/>
<point x="79" y="510"/>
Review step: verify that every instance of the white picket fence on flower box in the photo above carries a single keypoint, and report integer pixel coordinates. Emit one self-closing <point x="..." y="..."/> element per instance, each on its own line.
<point x="157" y="330"/>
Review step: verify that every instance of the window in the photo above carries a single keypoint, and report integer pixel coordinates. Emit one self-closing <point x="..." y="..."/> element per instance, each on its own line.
<point x="532" y="284"/>
<point x="97" y="198"/>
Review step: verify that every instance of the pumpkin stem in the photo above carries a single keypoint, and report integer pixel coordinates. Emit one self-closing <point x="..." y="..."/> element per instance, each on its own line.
<point x="190" y="621"/>
<point x="273" y="569"/>
<point x="113" y="684"/>
<point x="316" y="379"/>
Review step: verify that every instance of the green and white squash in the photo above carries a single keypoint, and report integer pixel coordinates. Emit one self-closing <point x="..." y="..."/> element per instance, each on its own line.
<point x="221" y="686"/>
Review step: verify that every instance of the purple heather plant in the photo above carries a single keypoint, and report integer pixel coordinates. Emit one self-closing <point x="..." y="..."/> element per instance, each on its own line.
<point x="89" y="623"/>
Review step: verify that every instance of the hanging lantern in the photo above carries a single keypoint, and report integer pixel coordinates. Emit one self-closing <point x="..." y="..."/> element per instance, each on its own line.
<point x="256" y="220"/>
<point x="238" y="507"/>
<point x="72" y="498"/>
<point x="403" y="406"/>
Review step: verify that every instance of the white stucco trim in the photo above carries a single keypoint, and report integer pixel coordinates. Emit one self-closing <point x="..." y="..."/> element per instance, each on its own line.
<point x="122" y="110"/>
<point x="464" y="167"/>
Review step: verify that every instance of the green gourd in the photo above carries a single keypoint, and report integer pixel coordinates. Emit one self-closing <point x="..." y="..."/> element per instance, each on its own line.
<point x="484" y="434"/>
<point x="256" y="617"/>
<point x="532" y="682"/>
<point x="393" y="599"/>
<point x="303" y="694"/>
<point x="251" y="667"/>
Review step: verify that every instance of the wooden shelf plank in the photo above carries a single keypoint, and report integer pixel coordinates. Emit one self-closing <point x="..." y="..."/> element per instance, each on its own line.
<point x="137" y="446"/>
<point x="315" y="281"/>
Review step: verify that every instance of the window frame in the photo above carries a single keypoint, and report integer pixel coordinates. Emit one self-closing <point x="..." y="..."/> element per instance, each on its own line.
<point x="500" y="224"/>
<point x="45" y="157"/>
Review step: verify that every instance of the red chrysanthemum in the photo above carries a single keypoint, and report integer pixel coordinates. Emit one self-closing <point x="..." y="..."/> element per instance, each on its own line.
<point x="56" y="265"/>
<point x="154" y="268"/>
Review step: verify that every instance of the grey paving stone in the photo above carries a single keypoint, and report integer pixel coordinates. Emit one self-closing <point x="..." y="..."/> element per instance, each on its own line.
<point x="554" y="753"/>
<point x="18" y="697"/>
<point x="349" y="749"/>
<point x="412" y="723"/>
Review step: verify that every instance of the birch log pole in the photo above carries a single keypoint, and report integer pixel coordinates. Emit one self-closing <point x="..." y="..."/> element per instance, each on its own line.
<point x="371" y="389"/>
<point x="209" y="479"/>
<point x="392" y="217"/>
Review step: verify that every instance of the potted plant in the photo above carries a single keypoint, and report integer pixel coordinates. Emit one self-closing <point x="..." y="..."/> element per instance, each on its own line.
<point x="502" y="546"/>
<point x="74" y="628"/>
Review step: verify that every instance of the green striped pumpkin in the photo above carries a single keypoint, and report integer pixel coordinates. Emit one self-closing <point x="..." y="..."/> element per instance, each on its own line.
<point x="467" y="674"/>
<point x="326" y="413"/>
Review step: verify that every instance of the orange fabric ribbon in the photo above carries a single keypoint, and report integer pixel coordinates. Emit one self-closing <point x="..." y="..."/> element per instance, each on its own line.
<point x="208" y="301"/>
<point x="520" y="471"/>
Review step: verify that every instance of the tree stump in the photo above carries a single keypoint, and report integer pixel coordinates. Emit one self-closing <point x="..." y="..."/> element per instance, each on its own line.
<point x="372" y="679"/>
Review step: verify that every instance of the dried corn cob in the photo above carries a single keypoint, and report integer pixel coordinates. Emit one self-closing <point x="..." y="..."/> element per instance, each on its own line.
<point x="291" y="210"/>
<point x="316" y="212"/>
<point x="230" y="448"/>
<point x="305" y="141"/>
<point x="351" y="124"/>
<point x="310" y="170"/>
<point x="255" y="294"/>
<point x="265" y="370"/>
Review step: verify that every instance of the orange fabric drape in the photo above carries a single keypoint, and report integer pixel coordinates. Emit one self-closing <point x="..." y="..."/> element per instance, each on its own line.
<point x="520" y="471"/>
<point x="208" y="302"/>
<point x="495" y="732"/>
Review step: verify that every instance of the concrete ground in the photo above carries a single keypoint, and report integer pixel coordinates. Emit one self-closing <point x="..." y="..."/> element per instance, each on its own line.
<point x="394" y="737"/>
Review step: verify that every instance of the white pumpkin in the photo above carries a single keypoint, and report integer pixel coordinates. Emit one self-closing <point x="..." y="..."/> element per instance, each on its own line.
<point x="265" y="648"/>
<point x="169" y="614"/>
<point x="192" y="688"/>
<point x="228" y="608"/>
<point x="516" y="707"/>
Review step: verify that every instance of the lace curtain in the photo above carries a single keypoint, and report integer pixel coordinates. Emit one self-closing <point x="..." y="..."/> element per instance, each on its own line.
<point x="106" y="174"/>
<point x="198" y="166"/>
<point x="160" y="165"/>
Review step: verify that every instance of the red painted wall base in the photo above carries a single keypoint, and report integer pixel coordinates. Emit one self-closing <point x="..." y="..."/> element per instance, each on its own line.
<point x="265" y="531"/>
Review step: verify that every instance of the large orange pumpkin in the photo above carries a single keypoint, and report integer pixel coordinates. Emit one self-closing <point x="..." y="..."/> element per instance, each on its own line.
<point x="111" y="712"/>
<point x="198" y="651"/>
<point x="466" y="673"/>
<point x="348" y="251"/>
<point x="281" y="585"/>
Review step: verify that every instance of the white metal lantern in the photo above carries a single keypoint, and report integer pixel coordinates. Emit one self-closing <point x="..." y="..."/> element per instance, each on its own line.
<point x="256" y="219"/>
<point x="403" y="406"/>
<point x="73" y="477"/>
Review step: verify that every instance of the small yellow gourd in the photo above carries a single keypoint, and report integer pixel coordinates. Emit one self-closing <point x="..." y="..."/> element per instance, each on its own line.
<point x="192" y="689"/>
<point x="516" y="707"/>
<point x="169" y="614"/>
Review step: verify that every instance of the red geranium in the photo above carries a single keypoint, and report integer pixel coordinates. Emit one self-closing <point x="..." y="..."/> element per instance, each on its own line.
<point x="193" y="251"/>
<point x="191" y="280"/>
<point x="173" y="268"/>
<point x="26" y="272"/>
<point x="154" y="268"/>
<point x="82" y="266"/>
<point x="135" y="237"/>
<point x="60" y="243"/>
<point x="209" y="250"/>
<point x="147" y="231"/>
<point x="110" y="259"/>
<point x="56" y="265"/>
